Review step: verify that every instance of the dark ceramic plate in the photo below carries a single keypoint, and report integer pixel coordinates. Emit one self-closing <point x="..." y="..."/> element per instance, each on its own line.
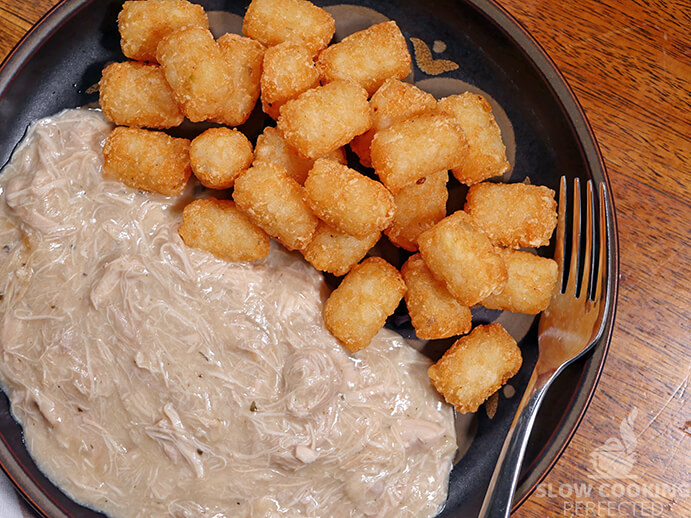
<point x="547" y="136"/>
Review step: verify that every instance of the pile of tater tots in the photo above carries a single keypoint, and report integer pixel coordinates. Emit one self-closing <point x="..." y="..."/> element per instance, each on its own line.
<point x="295" y="186"/>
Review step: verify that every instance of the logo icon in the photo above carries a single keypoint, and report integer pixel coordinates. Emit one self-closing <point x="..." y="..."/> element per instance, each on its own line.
<point x="616" y="457"/>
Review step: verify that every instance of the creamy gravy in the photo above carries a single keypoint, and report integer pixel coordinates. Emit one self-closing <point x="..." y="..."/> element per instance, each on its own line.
<point x="152" y="379"/>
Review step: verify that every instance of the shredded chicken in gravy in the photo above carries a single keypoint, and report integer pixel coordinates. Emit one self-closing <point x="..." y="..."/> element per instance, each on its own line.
<point x="152" y="379"/>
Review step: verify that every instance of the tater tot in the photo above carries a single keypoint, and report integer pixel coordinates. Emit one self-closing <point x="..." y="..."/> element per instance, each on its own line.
<point x="457" y="252"/>
<point x="243" y="58"/>
<point x="219" y="155"/>
<point x="415" y="148"/>
<point x="325" y="118"/>
<point x="359" y="307"/>
<point x="367" y="57"/>
<point x="217" y="226"/>
<point x="147" y="160"/>
<point x="336" y="252"/>
<point x="529" y="285"/>
<point x="394" y="101"/>
<point x="137" y="94"/>
<point x="299" y="21"/>
<point x="143" y="24"/>
<point x="486" y="153"/>
<point x="275" y="202"/>
<point x="289" y="70"/>
<point x="272" y="148"/>
<point x="198" y="74"/>
<point x="418" y="207"/>
<point x="433" y="311"/>
<point x="348" y="200"/>
<point x="476" y="366"/>
<point x="514" y="215"/>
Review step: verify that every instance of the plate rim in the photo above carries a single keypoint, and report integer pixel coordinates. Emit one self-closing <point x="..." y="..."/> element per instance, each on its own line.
<point x="574" y="113"/>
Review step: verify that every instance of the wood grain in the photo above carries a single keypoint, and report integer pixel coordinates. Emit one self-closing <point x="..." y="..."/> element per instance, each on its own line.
<point x="629" y="63"/>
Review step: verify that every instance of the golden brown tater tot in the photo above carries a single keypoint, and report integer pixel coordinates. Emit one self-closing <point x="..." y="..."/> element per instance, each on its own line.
<point x="219" y="155"/>
<point x="514" y="215"/>
<point x="348" y="200"/>
<point x="147" y="160"/>
<point x="299" y="21"/>
<point x="336" y="252"/>
<point x="418" y="207"/>
<point x="476" y="366"/>
<point x="359" y="307"/>
<point x="529" y="285"/>
<point x="433" y="311"/>
<point x="217" y="226"/>
<point x="275" y="202"/>
<point x="137" y="94"/>
<point x="143" y="24"/>
<point x="367" y="57"/>
<point x="325" y="118"/>
<point x="415" y="148"/>
<point x="289" y="70"/>
<point x="486" y="153"/>
<point x="457" y="252"/>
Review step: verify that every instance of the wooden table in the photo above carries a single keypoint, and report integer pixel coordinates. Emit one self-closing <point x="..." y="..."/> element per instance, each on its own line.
<point x="629" y="63"/>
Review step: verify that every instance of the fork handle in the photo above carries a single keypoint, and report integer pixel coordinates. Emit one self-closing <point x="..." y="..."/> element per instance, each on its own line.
<point x="502" y="486"/>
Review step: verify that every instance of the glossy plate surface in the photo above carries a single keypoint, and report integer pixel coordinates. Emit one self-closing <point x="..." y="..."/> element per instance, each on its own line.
<point x="547" y="136"/>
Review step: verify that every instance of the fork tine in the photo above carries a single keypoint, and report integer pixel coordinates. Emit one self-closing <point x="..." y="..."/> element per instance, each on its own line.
<point x="603" y="252"/>
<point x="561" y="224"/>
<point x="586" y="286"/>
<point x="572" y="279"/>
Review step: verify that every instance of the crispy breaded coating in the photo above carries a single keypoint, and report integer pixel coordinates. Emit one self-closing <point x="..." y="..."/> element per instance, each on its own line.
<point x="359" y="307"/>
<point x="275" y="202"/>
<point x="415" y="148"/>
<point x="457" y="252"/>
<point x="244" y="57"/>
<point x="486" y="153"/>
<point x="394" y="101"/>
<point x="367" y="57"/>
<point x="476" y="366"/>
<point x="433" y="311"/>
<point x="137" y="94"/>
<point x="348" y="200"/>
<point x="418" y="207"/>
<point x="514" y="215"/>
<point x="217" y="226"/>
<point x="529" y="285"/>
<point x="272" y="148"/>
<point x="336" y="252"/>
<point x="325" y="118"/>
<point x="219" y="155"/>
<point x="143" y="24"/>
<point x="147" y="160"/>
<point x="289" y="70"/>
<point x="299" y="21"/>
<point x="199" y="75"/>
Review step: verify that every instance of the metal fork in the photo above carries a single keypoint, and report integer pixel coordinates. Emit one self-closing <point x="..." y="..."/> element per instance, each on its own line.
<point x="569" y="327"/>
